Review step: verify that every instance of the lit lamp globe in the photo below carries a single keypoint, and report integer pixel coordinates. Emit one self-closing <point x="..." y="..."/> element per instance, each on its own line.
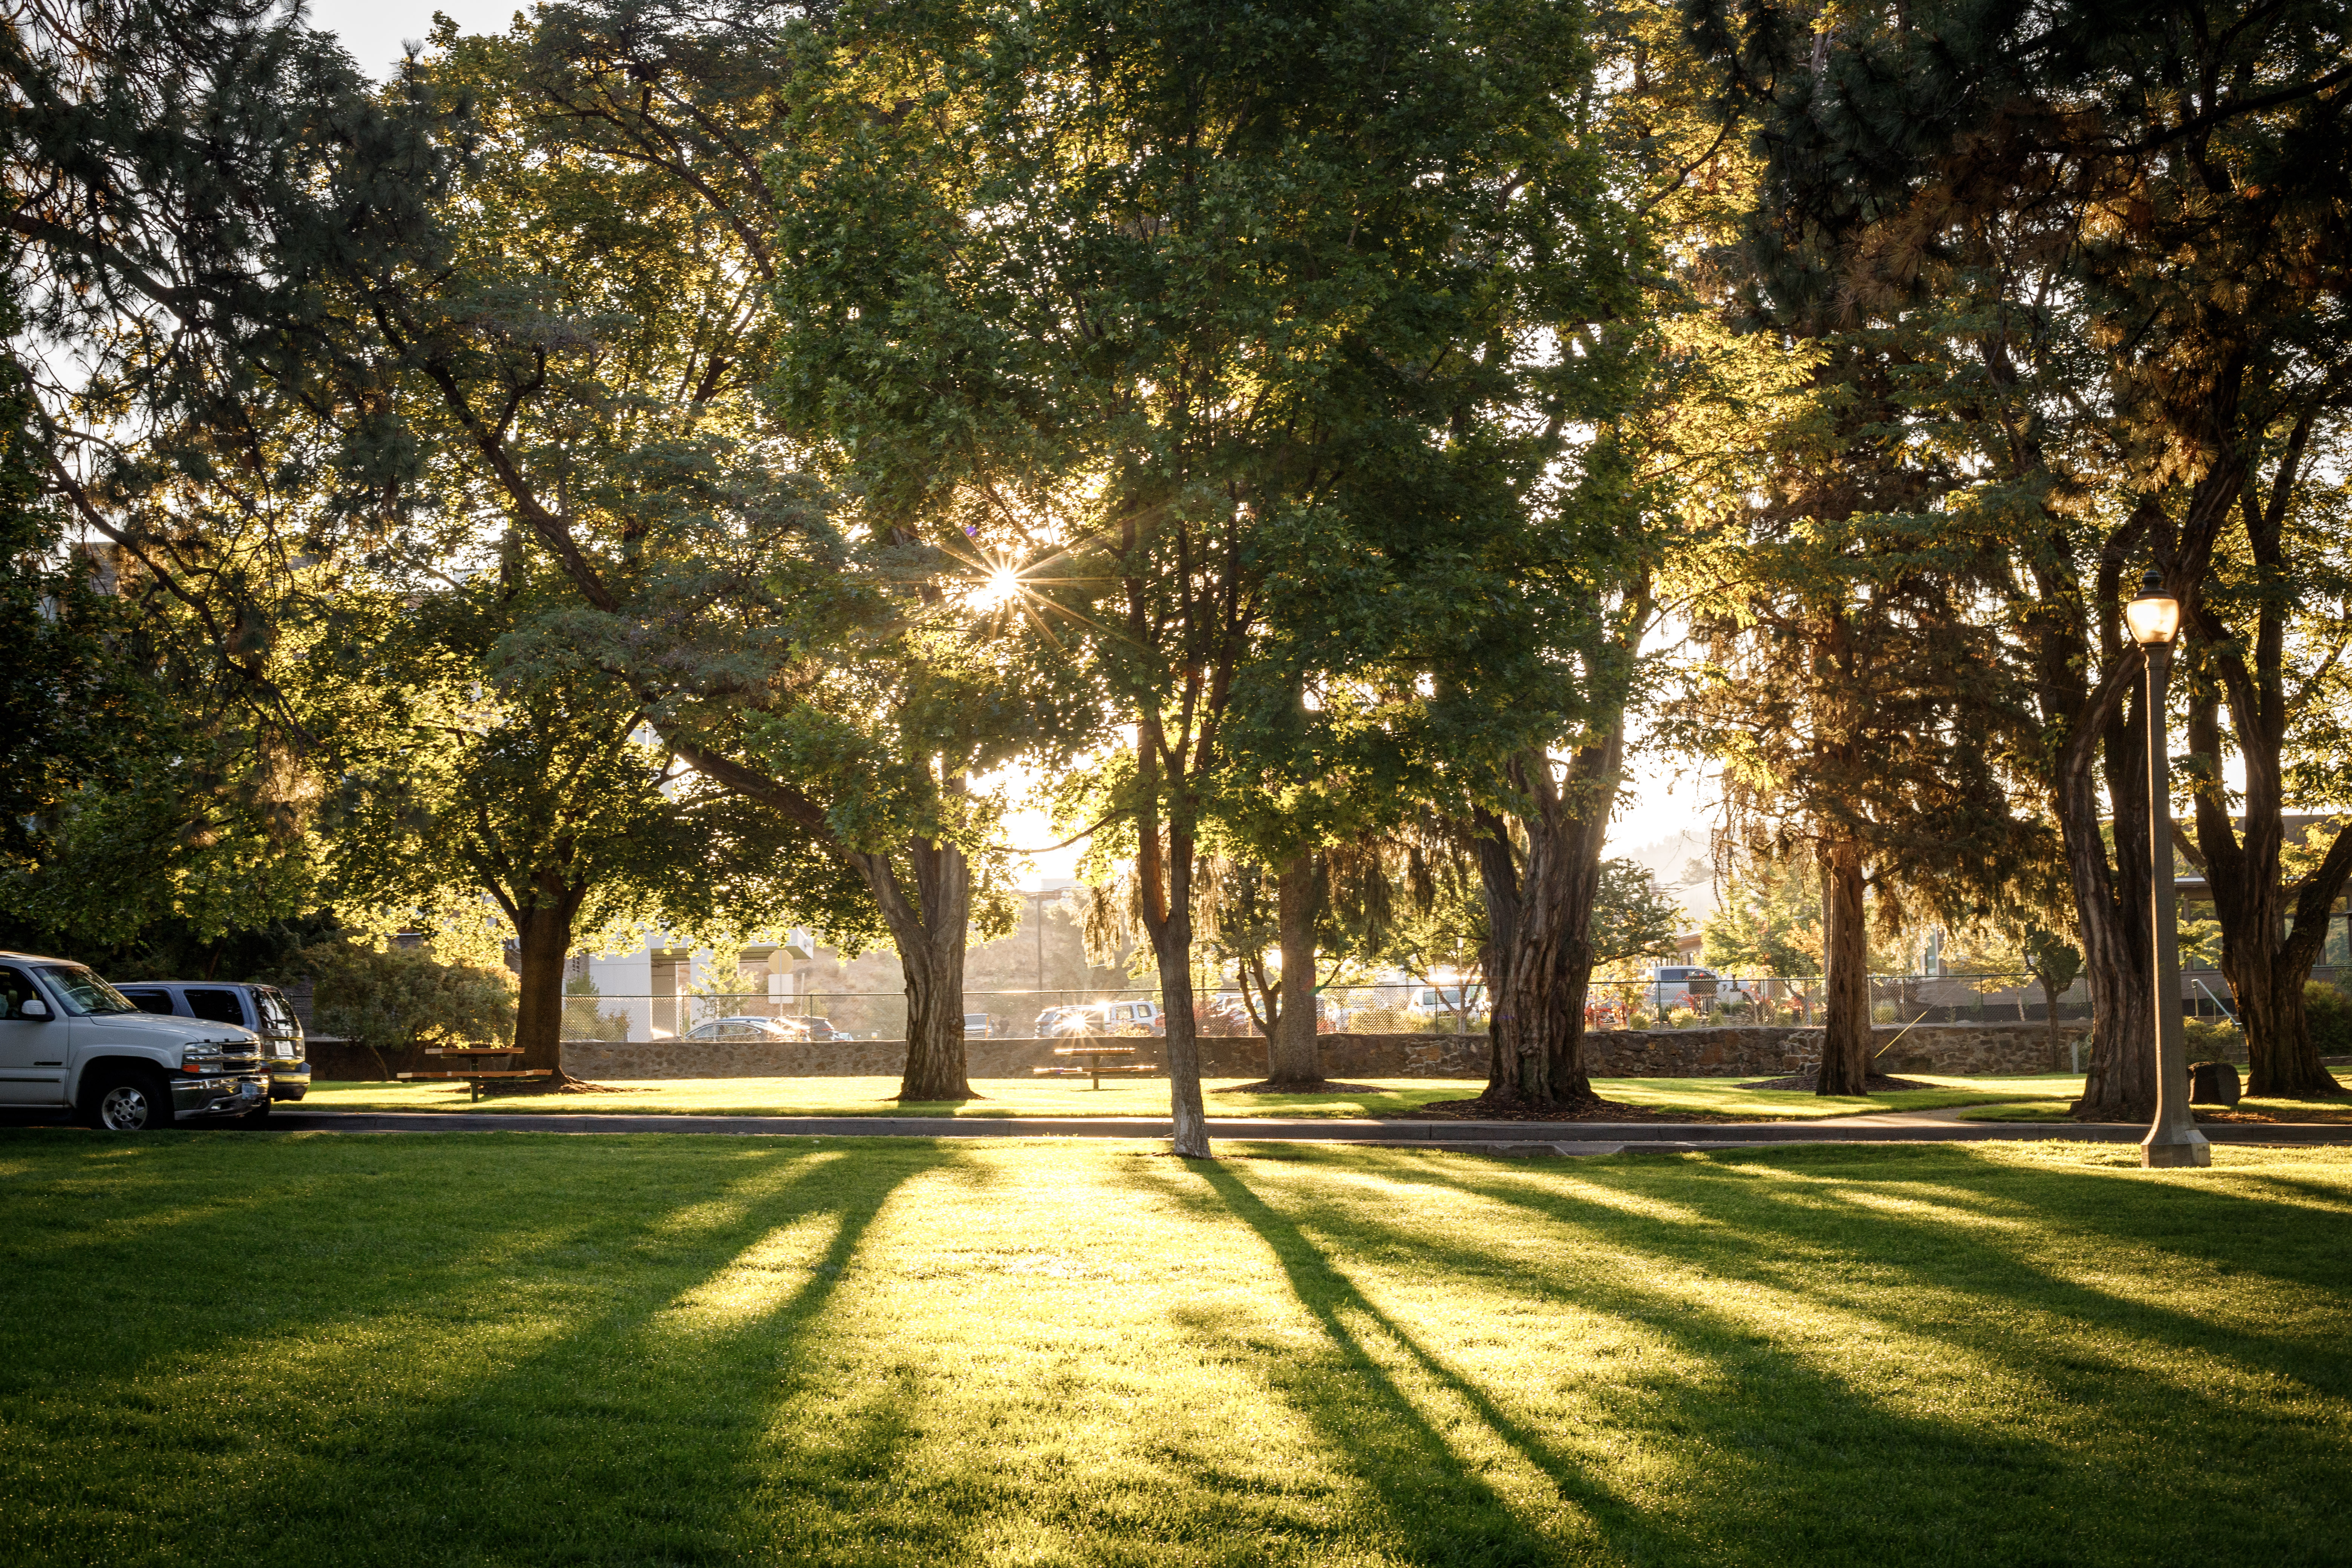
<point x="2154" y="617"/>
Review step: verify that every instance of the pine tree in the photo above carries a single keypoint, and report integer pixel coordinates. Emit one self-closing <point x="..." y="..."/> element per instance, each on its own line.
<point x="2124" y="212"/>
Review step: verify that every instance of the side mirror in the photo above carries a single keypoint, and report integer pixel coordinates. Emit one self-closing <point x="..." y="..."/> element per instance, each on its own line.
<point x="33" y="1007"/>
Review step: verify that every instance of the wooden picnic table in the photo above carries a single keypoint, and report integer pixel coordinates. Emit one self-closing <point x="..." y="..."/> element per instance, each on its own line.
<point x="475" y="1076"/>
<point x="1094" y="1052"/>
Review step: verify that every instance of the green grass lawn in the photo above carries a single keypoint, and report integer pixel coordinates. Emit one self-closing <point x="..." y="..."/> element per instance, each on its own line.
<point x="1148" y="1097"/>
<point x="399" y="1349"/>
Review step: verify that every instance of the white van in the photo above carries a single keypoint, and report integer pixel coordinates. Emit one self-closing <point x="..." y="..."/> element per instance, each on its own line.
<point x="1429" y="1003"/>
<point x="1679" y="986"/>
<point x="70" y="1040"/>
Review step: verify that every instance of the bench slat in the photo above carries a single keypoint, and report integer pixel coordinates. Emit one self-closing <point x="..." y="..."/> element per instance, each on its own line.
<point x="485" y="1072"/>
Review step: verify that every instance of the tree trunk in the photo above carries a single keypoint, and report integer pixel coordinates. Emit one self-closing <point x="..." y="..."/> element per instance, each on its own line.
<point x="2050" y="1009"/>
<point x="930" y="931"/>
<point x="1498" y="889"/>
<point x="1164" y="877"/>
<point x="2272" y="930"/>
<point x="2267" y="976"/>
<point x="1292" y="1053"/>
<point x="1845" y="973"/>
<point x="1546" y="969"/>
<point x="542" y="941"/>
<point x="929" y="928"/>
<point x="2112" y="898"/>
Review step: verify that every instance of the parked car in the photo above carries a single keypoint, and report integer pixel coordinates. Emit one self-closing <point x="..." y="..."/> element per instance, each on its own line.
<point x="260" y="1008"/>
<point x="1052" y="1021"/>
<point x="70" y="1040"/>
<point x="821" y="1028"/>
<point x="979" y="1026"/>
<point x="1106" y="1018"/>
<point x="742" y="1027"/>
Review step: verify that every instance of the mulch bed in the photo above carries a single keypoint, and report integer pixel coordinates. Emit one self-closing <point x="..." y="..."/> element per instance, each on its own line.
<point x="515" y="1087"/>
<point x="1484" y="1109"/>
<point x="1316" y="1086"/>
<point x="1811" y="1082"/>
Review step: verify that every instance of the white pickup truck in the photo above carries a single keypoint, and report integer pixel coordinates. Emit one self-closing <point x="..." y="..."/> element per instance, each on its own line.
<point x="67" y="1040"/>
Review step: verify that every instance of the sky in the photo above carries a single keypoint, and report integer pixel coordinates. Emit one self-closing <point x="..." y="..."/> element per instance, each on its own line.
<point x="374" y="31"/>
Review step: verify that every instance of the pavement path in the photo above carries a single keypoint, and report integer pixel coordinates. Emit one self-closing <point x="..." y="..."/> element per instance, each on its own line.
<point x="1492" y="1137"/>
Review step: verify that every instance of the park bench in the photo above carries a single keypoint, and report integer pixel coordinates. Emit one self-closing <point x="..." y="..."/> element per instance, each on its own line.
<point x="1095" y="1069"/>
<point x="476" y="1078"/>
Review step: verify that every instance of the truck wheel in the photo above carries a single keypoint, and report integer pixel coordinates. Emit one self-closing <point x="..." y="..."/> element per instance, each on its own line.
<point x="130" y="1101"/>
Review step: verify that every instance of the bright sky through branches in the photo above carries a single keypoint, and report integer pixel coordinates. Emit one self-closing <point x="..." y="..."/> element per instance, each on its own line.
<point x="374" y="31"/>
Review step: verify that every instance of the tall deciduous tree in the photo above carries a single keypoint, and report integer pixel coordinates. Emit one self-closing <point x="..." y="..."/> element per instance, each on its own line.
<point x="485" y="783"/>
<point x="584" y="344"/>
<point x="1198" y="305"/>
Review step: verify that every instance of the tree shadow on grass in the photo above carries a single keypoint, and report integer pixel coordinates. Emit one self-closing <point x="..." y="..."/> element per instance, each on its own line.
<point x="661" y="1422"/>
<point x="605" y="1439"/>
<point x="1435" y="1504"/>
<point x="1755" y="1236"/>
<point x="1785" y="1430"/>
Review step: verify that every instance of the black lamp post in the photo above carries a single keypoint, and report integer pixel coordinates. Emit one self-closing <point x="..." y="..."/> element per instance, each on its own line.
<point x="2174" y="1140"/>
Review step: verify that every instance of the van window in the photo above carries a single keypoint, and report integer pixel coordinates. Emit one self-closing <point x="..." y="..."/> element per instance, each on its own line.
<point x="219" y="1007"/>
<point x="150" y="1001"/>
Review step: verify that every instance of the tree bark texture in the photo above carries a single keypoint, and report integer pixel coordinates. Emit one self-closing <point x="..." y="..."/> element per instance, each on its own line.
<point x="929" y="927"/>
<point x="1291" y="1047"/>
<point x="1498" y="889"/>
<point x="2273" y="930"/>
<point x="1164" y="877"/>
<point x="1846" y="971"/>
<point x="2112" y="898"/>
<point x="542" y="941"/>
<point x="1541" y="976"/>
<point x="930" y="931"/>
<point x="2078" y="628"/>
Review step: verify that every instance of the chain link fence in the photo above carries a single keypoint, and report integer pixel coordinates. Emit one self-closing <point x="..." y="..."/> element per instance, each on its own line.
<point x="1669" y="998"/>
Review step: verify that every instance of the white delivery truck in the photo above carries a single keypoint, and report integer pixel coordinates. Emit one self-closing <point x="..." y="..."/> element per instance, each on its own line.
<point x="70" y="1040"/>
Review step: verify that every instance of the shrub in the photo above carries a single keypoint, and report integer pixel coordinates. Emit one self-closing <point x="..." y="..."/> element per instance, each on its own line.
<point x="394" y="1001"/>
<point x="2213" y="1040"/>
<point x="2330" y="1013"/>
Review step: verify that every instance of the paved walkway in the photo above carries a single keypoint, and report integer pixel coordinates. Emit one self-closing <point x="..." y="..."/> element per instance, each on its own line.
<point x="1487" y="1137"/>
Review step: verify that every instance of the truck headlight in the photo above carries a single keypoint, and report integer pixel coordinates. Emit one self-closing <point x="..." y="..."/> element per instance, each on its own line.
<point x="200" y="1058"/>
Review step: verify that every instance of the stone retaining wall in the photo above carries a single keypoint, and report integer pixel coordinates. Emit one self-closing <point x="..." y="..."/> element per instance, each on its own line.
<point x="1728" y="1052"/>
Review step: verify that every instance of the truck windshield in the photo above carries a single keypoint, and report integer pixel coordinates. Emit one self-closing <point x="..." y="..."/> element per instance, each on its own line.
<point x="85" y="993"/>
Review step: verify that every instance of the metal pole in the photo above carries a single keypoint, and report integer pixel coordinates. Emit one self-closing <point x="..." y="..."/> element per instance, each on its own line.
<point x="2174" y="1140"/>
